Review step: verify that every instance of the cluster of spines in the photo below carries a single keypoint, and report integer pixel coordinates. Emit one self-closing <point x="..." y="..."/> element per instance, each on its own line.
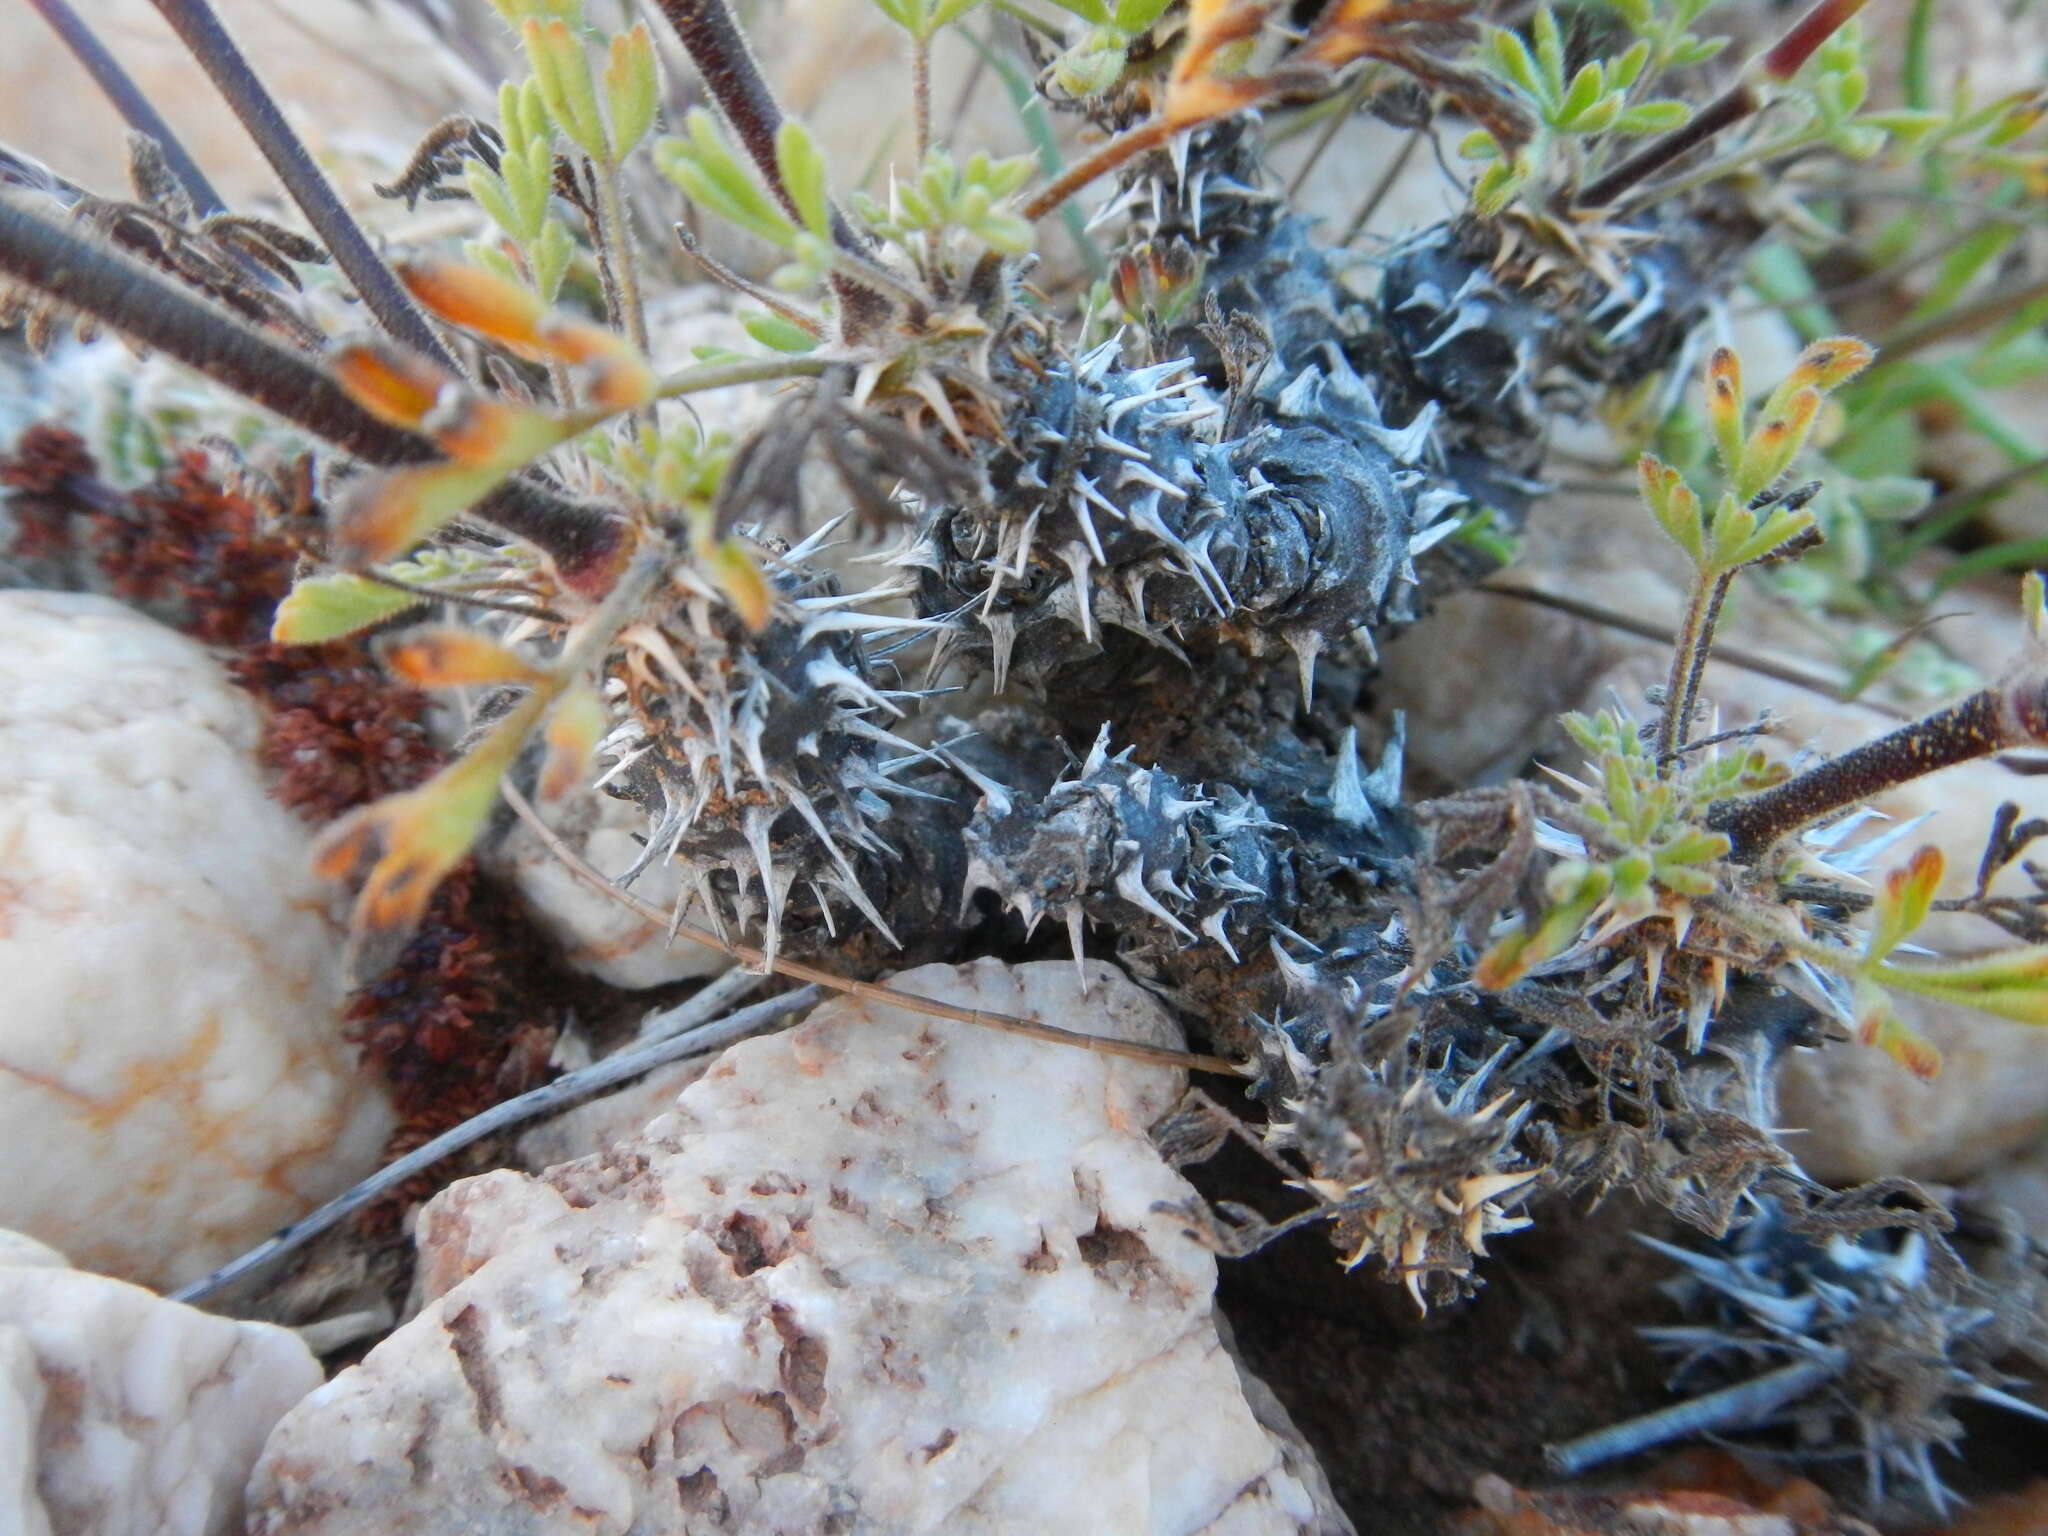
<point x="1166" y="863"/>
<point x="765" y="759"/>
<point x="1856" y="1346"/>
<point x="1417" y="1167"/>
<point x="1116" y="842"/>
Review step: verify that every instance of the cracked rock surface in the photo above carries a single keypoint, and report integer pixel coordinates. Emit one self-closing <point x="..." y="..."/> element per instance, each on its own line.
<point x="122" y="1414"/>
<point x="880" y="1273"/>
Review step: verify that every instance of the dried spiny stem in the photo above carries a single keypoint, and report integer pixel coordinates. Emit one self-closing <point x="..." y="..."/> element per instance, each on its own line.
<point x="1154" y="1055"/>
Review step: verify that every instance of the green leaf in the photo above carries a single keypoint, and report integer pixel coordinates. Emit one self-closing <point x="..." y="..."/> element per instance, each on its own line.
<point x="1549" y="54"/>
<point x="1858" y="141"/>
<point x="2011" y="983"/>
<point x="1498" y="185"/>
<point x="488" y="188"/>
<point x="776" y="333"/>
<point x="632" y="89"/>
<point x="551" y="255"/>
<point x="1674" y="504"/>
<point x="562" y="70"/>
<point x="1479" y="145"/>
<point x="1902" y="902"/>
<point x="1962" y="265"/>
<point x="1512" y="58"/>
<point x="321" y="608"/>
<point x="1599" y="117"/>
<point x="1653" y="117"/>
<point x="480" y="253"/>
<point x="908" y="14"/>
<point x="708" y="173"/>
<point x="1133" y="18"/>
<point x="529" y="177"/>
<point x="1689" y="51"/>
<point x="1587" y="87"/>
<point x="1878" y="1024"/>
<point x="1623" y="72"/>
<point x="803" y="173"/>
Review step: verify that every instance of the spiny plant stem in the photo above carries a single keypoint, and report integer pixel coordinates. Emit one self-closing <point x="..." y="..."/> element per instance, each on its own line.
<point x="1154" y="1055"/>
<point x="1688" y="661"/>
<point x="209" y="42"/>
<point x="1737" y="1407"/>
<point x="135" y="108"/>
<point x="1988" y="721"/>
<point x="125" y="295"/>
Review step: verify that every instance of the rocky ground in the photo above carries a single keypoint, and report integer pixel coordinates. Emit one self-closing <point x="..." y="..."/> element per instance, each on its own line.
<point x="872" y="1272"/>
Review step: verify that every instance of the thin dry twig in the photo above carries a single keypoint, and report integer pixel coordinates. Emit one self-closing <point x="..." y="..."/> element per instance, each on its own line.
<point x="1155" y="1055"/>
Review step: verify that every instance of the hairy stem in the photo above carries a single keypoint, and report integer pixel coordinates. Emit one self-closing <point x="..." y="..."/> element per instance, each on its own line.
<point x="719" y="50"/>
<point x="1987" y="721"/>
<point x="1125" y="146"/>
<point x="615" y="232"/>
<point x="1776" y="64"/>
<point x="1740" y="101"/>
<point x="208" y="41"/>
<point x="1688" y="661"/>
<point x="751" y="370"/>
<point x="921" y="96"/>
<point x="135" y="108"/>
<point x="54" y="259"/>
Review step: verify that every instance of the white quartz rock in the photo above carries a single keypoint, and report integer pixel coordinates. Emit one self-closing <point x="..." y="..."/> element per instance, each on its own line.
<point x="879" y="1273"/>
<point x="122" y="1414"/>
<point x="172" y="1068"/>
<point x="599" y="935"/>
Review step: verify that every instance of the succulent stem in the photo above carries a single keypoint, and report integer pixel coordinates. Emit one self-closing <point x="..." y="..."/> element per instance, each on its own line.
<point x="135" y="108"/>
<point x="208" y="41"/>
